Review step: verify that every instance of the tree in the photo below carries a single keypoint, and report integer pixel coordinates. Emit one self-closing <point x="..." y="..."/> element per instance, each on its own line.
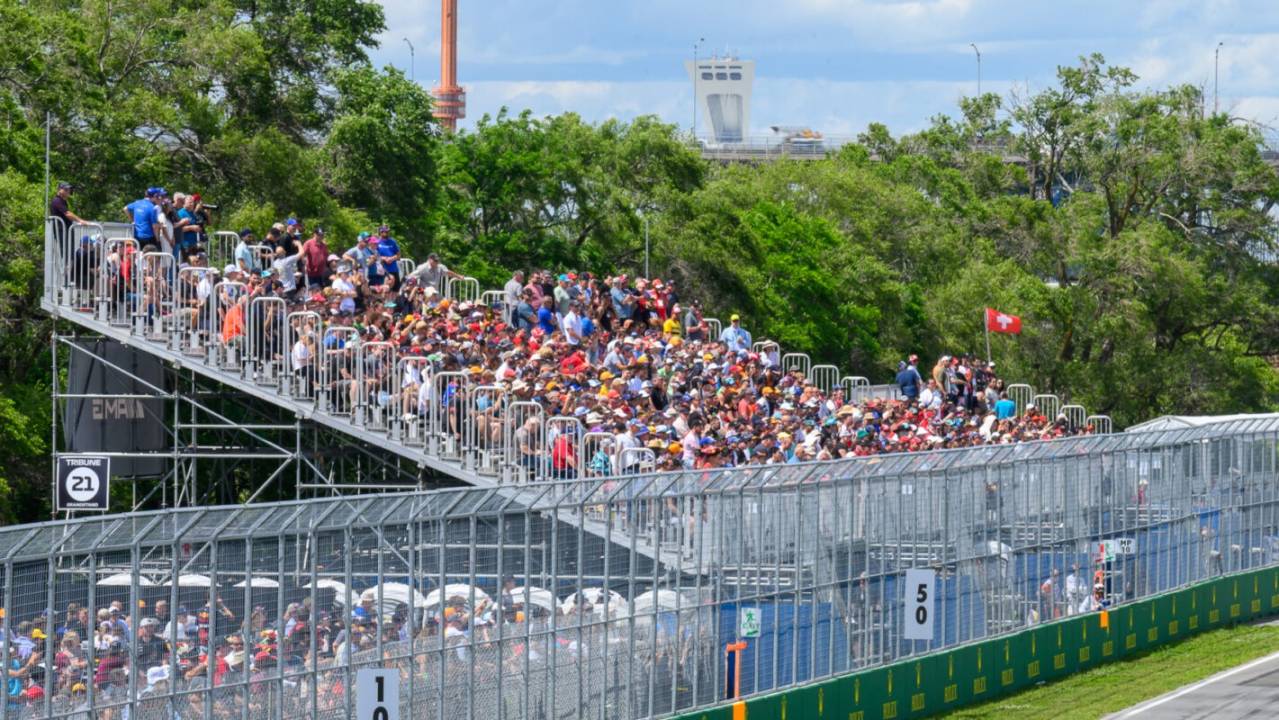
<point x="383" y="145"/>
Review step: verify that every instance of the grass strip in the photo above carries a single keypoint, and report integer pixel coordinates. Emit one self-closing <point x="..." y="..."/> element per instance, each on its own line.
<point x="1114" y="686"/>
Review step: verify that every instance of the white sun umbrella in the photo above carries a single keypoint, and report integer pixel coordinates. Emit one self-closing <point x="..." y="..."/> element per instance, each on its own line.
<point x="124" y="580"/>
<point x="434" y="599"/>
<point x="192" y="580"/>
<point x="394" y="595"/>
<point x="658" y="601"/>
<point x="336" y="586"/>
<point x="258" y="583"/>
<point x="535" y="596"/>
<point x="597" y="597"/>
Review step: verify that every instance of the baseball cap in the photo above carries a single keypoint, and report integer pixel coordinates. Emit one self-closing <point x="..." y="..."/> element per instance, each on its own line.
<point x="66" y="186"/>
<point x="230" y="269"/>
<point x="153" y="190"/>
<point x="735" y="317"/>
<point x="383" y="228"/>
<point x="291" y="221"/>
<point x="246" y="232"/>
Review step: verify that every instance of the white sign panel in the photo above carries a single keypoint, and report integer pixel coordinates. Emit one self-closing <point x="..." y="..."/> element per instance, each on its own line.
<point x="1108" y="549"/>
<point x="377" y="694"/>
<point x="82" y="482"/>
<point x="919" y="604"/>
<point x="748" y="622"/>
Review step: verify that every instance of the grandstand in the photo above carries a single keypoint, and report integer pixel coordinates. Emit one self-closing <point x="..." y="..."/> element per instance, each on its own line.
<point x="555" y="586"/>
<point x="430" y="395"/>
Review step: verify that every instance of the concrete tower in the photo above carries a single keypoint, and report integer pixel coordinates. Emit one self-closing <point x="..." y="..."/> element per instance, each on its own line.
<point x="450" y="99"/>
<point x="722" y="88"/>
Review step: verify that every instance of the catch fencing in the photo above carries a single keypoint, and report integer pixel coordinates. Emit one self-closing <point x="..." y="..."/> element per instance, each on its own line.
<point x="617" y="597"/>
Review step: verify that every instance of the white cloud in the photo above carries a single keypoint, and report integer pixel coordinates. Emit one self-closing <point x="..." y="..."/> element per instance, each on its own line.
<point x="834" y="65"/>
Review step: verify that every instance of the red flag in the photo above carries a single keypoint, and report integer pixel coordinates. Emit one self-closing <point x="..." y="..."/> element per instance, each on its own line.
<point x="998" y="322"/>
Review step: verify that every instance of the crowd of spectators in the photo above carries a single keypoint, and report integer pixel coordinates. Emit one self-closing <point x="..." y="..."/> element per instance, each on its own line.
<point x="182" y="663"/>
<point x="628" y="357"/>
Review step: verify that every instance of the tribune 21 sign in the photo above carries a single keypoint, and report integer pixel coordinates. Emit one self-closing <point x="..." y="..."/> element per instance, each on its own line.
<point x="83" y="483"/>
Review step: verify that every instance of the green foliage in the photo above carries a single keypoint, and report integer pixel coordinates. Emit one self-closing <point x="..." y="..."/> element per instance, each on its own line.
<point x="383" y="145"/>
<point x="1130" y="230"/>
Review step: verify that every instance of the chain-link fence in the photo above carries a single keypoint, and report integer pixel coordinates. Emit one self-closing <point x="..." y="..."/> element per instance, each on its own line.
<point x="615" y="597"/>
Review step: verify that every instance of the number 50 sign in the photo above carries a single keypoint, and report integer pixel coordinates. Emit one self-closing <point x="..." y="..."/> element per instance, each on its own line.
<point x="377" y="694"/>
<point x="919" y="604"/>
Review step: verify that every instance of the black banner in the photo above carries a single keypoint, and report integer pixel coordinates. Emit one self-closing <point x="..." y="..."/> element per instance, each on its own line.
<point x="84" y="483"/>
<point x="112" y="423"/>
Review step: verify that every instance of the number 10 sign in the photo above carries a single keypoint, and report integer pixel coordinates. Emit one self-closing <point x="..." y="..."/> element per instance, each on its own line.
<point x="919" y="604"/>
<point x="377" y="694"/>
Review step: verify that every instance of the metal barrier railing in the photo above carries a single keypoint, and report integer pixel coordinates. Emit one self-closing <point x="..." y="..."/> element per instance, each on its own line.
<point x="1048" y="404"/>
<point x="192" y="302"/>
<point x="825" y="377"/>
<point x="113" y="284"/>
<point x="1101" y="424"/>
<point x="266" y="341"/>
<point x="407" y="266"/>
<point x="340" y="373"/>
<point x="615" y="597"/>
<point x="377" y="384"/>
<point x="564" y="447"/>
<point x="462" y="290"/>
<point x="1021" y="395"/>
<point x="856" y="388"/>
<point x="156" y="295"/>
<point x="414" y="375"/>
<point x="1075" y="415"/>
<point x="713" y="327"/>
<point x="224" y="324"/>
<point x="221" y="249"/>
<point x="445" y="415"/>
<point x="796" y="362"/>
<point x="305" y="335"/>
<point x="524" y="423"/>
<point x="495" y="300"/>
<point x="482" y="431"/>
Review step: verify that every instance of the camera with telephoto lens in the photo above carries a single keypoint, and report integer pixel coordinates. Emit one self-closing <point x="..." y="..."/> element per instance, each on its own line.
<point x="208" y="206"/>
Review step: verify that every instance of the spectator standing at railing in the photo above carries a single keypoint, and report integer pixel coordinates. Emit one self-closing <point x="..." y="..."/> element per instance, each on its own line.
<point x="145" y="216"/>
<point x="187" y="228"/>
<point x="432" y="273"/>
<point x="623" y="302"/>
<point x="362" y="256"/>
<point x="908" y="381"/>
<point x="388" y="254"/>
<point x="244" y="258"/>
<point x="734" y="336"/>
<point x="316" y="255"/>
<point x="58" y="205"/>
<point x="511" y="293"/>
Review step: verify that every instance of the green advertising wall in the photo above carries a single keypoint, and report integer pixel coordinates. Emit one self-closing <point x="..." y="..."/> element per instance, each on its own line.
<point x="944" y="681"/>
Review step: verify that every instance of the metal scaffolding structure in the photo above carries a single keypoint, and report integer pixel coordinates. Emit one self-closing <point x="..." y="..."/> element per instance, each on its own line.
<point x="212" y="432"/>
<point x="498" y="606"/>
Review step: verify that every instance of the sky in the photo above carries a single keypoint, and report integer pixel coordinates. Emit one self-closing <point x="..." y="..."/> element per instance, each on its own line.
<point x="833" y="65"/>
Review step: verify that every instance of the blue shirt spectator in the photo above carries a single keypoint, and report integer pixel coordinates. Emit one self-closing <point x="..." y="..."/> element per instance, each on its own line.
<point x="909" y="380"/>
<point x="388" y="248"/>
<point x="735" y="337"/>
<point x="1005" y="408"/>
<point x="546" y="320"/>
<point x="145" y="217"/>
<point x="623" y="302"/>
